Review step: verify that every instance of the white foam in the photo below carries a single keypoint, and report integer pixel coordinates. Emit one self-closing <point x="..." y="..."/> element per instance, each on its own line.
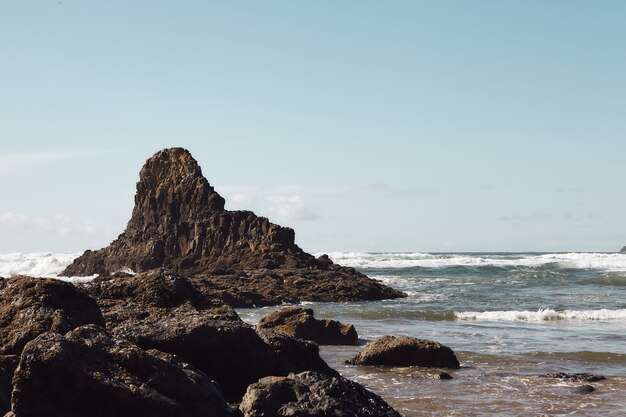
<point x="603" y="261"/>
<point x="35" y="264"/>
<point x="543" y="315"/>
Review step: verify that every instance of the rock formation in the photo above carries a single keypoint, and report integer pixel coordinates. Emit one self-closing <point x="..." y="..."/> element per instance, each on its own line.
<point x="179" y="222"/>
<point x="406" y="351"/>
<point x="310" y="394"/>
<point x="88" y="372"/>
<point x="575" y="377"/>
<point x="8" y="364"/>
<point x="31" y="306"/>
<point x="623" y="250"/>
<point x="300" y="323"/>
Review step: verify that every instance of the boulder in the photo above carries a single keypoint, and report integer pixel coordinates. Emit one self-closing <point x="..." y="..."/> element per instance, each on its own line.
<point x="32" y="306"/>
<point x="310" y="394"/>
<point x="406" y="351"/>
<point x="293" y="355"/>
<point x="8" y="364"/>
<point x="300" y="323"/>
<point x="88" y="372"/>
<point x="585" y="389"/>
<point x="179" y="222"/>
<point x="162" y="310"/>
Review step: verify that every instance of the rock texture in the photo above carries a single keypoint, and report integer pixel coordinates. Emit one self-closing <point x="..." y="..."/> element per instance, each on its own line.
<point x="179" y="222"/>
<point x="300" y="323"/>
<point x="8" y="364"/>
<point x="31" y="306"/>
<point x="162" y="310"/>
<point x="89" y="373"/>
<point x="406" y="351"/>
<point x="309" y="394"/>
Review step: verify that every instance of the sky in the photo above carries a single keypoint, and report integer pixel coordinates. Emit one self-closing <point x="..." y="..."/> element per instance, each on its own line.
<point x="420" y="126"/>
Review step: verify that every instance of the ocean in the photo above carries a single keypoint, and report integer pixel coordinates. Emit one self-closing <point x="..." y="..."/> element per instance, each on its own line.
<point x="509" y="317"/>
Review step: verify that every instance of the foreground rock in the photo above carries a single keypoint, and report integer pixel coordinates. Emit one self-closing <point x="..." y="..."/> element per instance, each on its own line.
<point x="8" y="364"/>
<point x="89" y="373"/>
<point x="179" y="222"/>
<point x="32" y="306"/>
<point x="300" y="323"/>
<point x="312" y="394"/>
<point x="162" y="310"/>
<point x="406" y="351"/>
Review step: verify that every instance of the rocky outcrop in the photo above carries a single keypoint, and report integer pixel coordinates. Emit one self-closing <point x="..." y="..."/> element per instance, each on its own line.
<point x="162" y="310"/>
<point x="8" y="364"/>
<point x="623" y="250"/>
<point x="310" y="394"/>
<point x="406" y="351"/>
<point x="32" y="306"/>
<point x="88" y="372"/>
<point x="300" y="323"/>
<point x="179" y="222"/>
<point x="575" y="377"/>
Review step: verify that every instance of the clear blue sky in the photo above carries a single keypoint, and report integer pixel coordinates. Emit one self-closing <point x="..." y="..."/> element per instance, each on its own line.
<point x="365" y="125"/>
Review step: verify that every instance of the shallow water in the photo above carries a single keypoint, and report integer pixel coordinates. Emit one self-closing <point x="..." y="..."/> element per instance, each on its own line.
<point x="509" y="317"/>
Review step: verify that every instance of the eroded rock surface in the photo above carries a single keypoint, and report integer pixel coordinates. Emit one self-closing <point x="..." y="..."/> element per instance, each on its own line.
<point x="310" y="394"/>
<point x="88" y="372"/>
<point x="32" y="306"/>
<point x="179" y="222"/>
<point x="300" y="323"/>
<point x="406" y="351"/>
<point x="8" y="364"/>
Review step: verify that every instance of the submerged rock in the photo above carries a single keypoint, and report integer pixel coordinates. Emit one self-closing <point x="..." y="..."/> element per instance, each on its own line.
<point x="300" y="323"/>
<point x="89" y="373"/>
<point x="179" y="222"/>
<point x="575" y="377"/>
<point x="406" y="351"/>
<point x="32" y="306"/>
<point x="310" y="394"/>
<point x="585" y="389"/>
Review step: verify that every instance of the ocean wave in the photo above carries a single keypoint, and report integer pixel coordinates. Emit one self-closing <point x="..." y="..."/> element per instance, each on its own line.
<point x="42" y="264"/>
<point x="543" y="315"/>
<point x="603" y="261"/>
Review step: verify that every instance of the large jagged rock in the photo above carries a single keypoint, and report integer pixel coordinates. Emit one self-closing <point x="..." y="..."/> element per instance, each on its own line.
<point x="406" y="351"/>
<point x="623" y="250"/>
<point x="179" y="222"/>
<point x="89" y="373"/>
<point x="162" y="310"/>
<point x="300" y="323"/>
<point x="32" y="306"/>
<point x="310" y="394"/>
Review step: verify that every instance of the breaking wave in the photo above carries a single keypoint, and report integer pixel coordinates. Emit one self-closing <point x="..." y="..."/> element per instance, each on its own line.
<point x="35" y="264"/>
<point x="543" y="315"/>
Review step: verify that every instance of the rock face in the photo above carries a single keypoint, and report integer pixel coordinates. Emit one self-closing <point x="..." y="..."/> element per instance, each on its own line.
<point x="300" y="323"/>
<point x="179" y="222"/>
<point x="31" y="306"/>
<point x="310" y="394"/>
<point x="162" y="310"/>
<point x="89" y="373"/>
<point x="8" y="364"/>
<point x="406" y="351"/>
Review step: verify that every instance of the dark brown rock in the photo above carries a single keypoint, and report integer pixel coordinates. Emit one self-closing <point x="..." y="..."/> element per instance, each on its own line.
<point x="575" y="377"/>
<point x="300" y="323"/>
<point x="293" y="355"/>
<point x="585" y="389"/>
<point x="161" y="310"/>
<point x="8" y="364"/>
<point x="32" y="306"/>
<point x="89" y="373"/>
<point x="406" y="351"/>
<point x="179" y="222"/>
<point x="310" y="394"/>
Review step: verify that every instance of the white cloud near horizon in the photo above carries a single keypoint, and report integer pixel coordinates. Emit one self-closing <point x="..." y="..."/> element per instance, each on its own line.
<point x="27" y="159"/>
<point x="61" y="225"/>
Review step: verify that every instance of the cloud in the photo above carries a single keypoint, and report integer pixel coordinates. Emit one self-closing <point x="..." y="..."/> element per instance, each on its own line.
<point x="290" y="208"/>
<point x="11" y="162"/>
<point x="61" y="225"/>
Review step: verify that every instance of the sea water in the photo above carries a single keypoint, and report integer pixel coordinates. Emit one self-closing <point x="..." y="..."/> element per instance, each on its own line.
<point x="510" y="318"/>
